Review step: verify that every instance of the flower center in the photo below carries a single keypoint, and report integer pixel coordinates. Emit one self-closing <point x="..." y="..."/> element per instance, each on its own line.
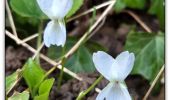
<point x="117" y="82"/>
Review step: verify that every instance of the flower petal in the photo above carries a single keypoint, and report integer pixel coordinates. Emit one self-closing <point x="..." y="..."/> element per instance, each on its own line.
<point x="55" y="9"/>
<point x="61" y="7"/>
<point x="45" y="6"/>
<point x="114" y="91"/>
<point x="106" y="65"/>
<point x="103" y="94"/>
<point x="126" y="62"/>
<point x="55" y="34"/>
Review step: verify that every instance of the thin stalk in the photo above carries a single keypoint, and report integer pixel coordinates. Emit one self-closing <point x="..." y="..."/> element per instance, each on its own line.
<point x="50" y="71"/>
<point x="92" y="20"/>
<point x="40" y="28"/>
<point x="90" y="10"/>
<point x="83" y="93"/>
<point x="60" y="78"/>
<point x="62" y="70"/>
<point x="153" y="83"/>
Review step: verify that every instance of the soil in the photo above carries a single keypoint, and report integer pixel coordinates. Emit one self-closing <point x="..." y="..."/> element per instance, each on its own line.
<point x="112" y="36"/>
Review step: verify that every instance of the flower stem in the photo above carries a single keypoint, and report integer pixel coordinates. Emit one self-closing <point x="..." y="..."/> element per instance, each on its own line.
<point x="83" y="93"/>
<point x="40" y="28"/>
<point x="62" y="70"/>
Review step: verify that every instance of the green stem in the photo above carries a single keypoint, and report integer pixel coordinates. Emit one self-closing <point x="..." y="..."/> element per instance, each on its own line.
<point x="83" y="93"/>
<point x="62" y="70"/>
<point x="60" y="78"/>
<point x="40" y="28"/>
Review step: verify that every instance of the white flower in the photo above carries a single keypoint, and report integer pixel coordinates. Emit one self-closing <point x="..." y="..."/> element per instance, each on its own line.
<point x="56" y="10"/>
<point x="114" y="70"/>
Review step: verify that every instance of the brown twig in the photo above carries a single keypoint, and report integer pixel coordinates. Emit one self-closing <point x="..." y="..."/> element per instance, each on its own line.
<point x="91" y="10"/>
<point x="28" y="38"/>
<point x="11" y="20"/>
<point x="153" y="83"/>
<point x="38" y="50"/>
<point x="136" y="17"/>
<point x="99" y="26"/>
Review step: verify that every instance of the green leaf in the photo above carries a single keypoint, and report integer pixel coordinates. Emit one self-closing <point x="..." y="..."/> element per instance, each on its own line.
<point x="27" y="8"/>
<point x="20" y="96"/>
<point x="46" y="86"/>
<point x="76" y="6"/>
<point x="119" y="6"/>
<point x="94" y="47"/>
<point x="81" y="60"/>
<point x="11" y="80"/>
<point x="42" y="97"/>
<point x="139" y="4"/>
<point x="44" y="89"/>
<point x="149" y="53"/>
<point x="157" y="8"/>
<point x="33" y="75"/>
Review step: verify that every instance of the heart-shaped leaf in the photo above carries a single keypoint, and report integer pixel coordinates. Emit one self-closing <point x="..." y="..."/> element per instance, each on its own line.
<point x="149" y="53"/>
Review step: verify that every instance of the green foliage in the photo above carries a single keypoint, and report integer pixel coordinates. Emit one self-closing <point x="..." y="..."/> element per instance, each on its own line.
<point x="137" y="4"/>
<point x="149" y="53"/>
<point x="94" y="47"/>
<point x="76" y="6"/>
<point x="20" y="96"/>
<point x="44" y="89"/>
<point x="157" y="8"/>
<point x="27" y="8"/>
<point x="119" y="5"/>
<point x="33" y="75"/>
<point x="11" y="80"/>
<point x="81" y="60"/>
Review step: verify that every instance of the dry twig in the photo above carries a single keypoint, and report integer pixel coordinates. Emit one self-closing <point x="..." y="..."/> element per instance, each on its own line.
<point x="11" y="19"/>
<point x="136" y="17"/>
<point x="153" y="83"/>
<point x="91" y="10"/>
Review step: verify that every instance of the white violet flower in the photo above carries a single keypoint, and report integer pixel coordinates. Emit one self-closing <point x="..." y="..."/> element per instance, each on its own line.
<point x="56" y="10"/>
<point x="114" y="70"/>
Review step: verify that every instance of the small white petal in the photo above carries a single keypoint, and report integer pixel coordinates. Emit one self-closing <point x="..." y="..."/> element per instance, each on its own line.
<point x="103" y="94"/>
<point x="106" y="65"/>
<point x="46" y="7"/>
<point x="126" y="62"/>
<point x="61" y="7"/>
<point x="55" y="9"/>
<point x="114" y="91"/>
<point x="55" y="34"/>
